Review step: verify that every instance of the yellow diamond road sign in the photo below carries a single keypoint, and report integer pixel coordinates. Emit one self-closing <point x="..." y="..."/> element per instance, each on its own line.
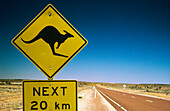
<point x="49" y="41"/>
<point x="50" y="95"/>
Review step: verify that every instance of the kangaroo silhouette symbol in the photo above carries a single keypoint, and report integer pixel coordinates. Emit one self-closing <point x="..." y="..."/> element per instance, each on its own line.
<point x="51" y="35"/>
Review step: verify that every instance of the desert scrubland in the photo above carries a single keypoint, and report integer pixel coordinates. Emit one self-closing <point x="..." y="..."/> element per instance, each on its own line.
<point x="11" y="91"/>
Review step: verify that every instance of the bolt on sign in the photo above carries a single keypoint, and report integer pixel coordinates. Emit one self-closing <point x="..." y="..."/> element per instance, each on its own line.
<point x="50" y="95"/>
<point x="49" y="41"/>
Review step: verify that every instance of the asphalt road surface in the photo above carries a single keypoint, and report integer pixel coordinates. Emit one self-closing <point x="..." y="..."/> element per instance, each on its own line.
<point x="93" y="101"/>
<point x="123" y="101"/>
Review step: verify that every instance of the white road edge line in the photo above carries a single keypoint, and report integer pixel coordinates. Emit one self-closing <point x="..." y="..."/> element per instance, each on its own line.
<point x="113" y="101"/>
<point x="95" y="93"/>
<point x="105" y="99"/>
<point x="123" y="108"/>
<point x="149" y="101"/>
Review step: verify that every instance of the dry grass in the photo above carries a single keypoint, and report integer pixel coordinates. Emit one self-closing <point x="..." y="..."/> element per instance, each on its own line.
<point x="10" y="97"/>
<point x="83" y="85"/>
<point x="11" y="92"/>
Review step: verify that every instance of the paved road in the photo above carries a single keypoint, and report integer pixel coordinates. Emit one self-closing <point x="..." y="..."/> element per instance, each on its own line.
<point x="93" y="101"/>
<point x="123" y="101"/>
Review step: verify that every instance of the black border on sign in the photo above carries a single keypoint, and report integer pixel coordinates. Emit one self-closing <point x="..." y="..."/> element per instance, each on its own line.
<point x="13" y="41"/>
<point x="48" y="81"/>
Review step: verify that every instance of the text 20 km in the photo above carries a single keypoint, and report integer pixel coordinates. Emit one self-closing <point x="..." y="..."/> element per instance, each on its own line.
<point x="43" y="105"/>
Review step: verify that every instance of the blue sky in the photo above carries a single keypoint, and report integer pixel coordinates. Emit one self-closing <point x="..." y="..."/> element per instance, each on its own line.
<point x="129" y="40"/>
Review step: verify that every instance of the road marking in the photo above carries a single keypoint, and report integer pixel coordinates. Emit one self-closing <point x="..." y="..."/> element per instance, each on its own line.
<point x="113" y="101"/>
<point x="95" y="93"/>
<point x="149" y="101"/>
<point x="123" y="108"/>
<point x="133" y="96"/>
<point x="113" y="109"/>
